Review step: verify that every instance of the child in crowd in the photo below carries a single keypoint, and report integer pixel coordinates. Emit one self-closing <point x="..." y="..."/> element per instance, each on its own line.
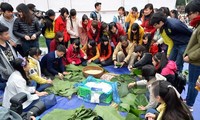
<point x="34" y="72"/>
<point x="57" y="41"/>
<point x="52" y="65"/>
<point x="74" y="54"/>
<point x="171" y="106"/>
<point x="150" y="76"/>
<point x="105" y="50"/>
<point x="92" y="51"/>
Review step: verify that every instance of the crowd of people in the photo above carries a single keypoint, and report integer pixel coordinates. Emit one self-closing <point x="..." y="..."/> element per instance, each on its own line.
<point x="153" y="40"/>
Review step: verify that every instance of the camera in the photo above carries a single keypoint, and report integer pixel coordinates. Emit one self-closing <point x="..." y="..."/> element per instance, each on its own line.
<point x="16" y="106"/>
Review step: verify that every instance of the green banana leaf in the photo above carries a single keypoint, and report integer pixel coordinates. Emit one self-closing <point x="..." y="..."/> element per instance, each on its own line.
<point x="129" y="99"/>
<point x="108" y="113"/>
<point x="124" y="107"/>
<point x="131" y="116"/>
<point x="58" y="114"/>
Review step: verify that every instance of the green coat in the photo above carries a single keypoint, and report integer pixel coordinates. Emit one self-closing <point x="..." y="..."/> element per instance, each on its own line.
<point x="193" y="47"/>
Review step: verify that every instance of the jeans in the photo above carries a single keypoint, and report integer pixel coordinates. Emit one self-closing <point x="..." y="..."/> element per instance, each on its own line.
<point x="194" y="72"/>
<point x="48" y="41"/>
<point x="26" y="45"/>
<point x="177" y="55"/>
<point x="42" y="87"/>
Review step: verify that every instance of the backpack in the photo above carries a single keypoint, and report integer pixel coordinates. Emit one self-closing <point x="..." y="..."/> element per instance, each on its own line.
<point x="180" y="82"/>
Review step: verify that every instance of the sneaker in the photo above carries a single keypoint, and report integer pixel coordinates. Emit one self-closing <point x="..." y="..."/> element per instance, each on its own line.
<point x="115" y="66"/>
<point x="190" y="108"/>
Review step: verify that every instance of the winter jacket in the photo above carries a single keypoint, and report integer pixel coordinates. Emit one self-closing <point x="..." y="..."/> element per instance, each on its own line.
<point x="146" y="59"/>
<point x="54" y="44"/>
<point x="91" y="34"/>
<point x="34" y="72"/>
<point x="153" y="49"/>
<point x="6" y="68"/>
<point x="50" y="34"/>
<point x="169" y="69"/>
<point x="73" y="30"/>
<point x="89" y="53"/>
<point x="74" y="56"/>
<point x="103" y="55"/>
<point x="193" y="47"/>
<point x="60" y="25"/>
<point x="177" y="31"/>
<point x="129" y="51"/>
<point x="131" y="19"/>
<point x="141" y="34"/>
<point x="20" y="29"/>
<point x="147" y="27"/>
<point x="115" y="36"/>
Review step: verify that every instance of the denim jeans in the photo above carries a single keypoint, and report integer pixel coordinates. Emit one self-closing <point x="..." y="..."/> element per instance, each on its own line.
<point x="194" y="72"/>
<point x="177" y="56"/>
<point x="48" y="41"/>
<point x="26" y="45"/>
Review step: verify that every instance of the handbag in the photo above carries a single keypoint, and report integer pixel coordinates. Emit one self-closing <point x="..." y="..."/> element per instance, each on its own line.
<point x="49" y="100"/>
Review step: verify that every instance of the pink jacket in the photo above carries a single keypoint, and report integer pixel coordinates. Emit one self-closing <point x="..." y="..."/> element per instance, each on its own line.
<point x="169" y="69"/>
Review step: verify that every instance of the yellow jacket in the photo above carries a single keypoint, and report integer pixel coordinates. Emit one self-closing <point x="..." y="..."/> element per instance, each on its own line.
<point x="161" y="109"/>
<point x="168" y="41"/>
<point x="141" y="34"/>
<point x="84" y="49"/>
<point x="50" y="33"/>
<point x="129" y="50"/>
<point x="34" y="72"/>
<point x="131" y="19"/>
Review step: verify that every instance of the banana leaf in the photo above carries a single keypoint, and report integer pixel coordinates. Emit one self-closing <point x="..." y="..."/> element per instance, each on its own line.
<point x="131" y="116"/>
<point x="129" y="99"/>
<point x="58" y="114"/>
<point x="124" y="107"/>
<point x="108" y="113"/>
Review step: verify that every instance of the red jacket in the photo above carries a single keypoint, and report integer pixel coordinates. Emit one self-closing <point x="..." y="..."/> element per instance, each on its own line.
<point x="147" y="27"/>
<point x="91" y="35"/>
<point x="153" y="49"/>
<point x="114" y="37"/>
<point x="53" y="45"/>
<point x="61" y="25"/>
<point x="74" y="56"/>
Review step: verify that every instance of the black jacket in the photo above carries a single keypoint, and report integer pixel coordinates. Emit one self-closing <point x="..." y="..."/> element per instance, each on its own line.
<point x="20" y="29"/>
<point x="145" y="60"/>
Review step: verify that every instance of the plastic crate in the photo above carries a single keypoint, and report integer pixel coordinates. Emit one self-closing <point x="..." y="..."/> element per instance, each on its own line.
<point x="84" y="92"/>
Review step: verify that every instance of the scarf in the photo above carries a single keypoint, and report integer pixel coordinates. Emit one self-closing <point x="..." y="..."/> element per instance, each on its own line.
<point x="194" y="22"/>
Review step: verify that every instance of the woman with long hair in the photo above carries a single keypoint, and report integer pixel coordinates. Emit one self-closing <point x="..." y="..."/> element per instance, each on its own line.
<point x="60" y="24"/>
<point x="72" y="26"/>
<point x="136" y="34"/>
<point x="83" y="29"/>
<point x="48" y="29"/>
<point x="18" y="82"/>
<point x="105" y="50"/>
<point x="26" y="28"/>
<point x="148" y="12"/>
<point x="171" y="107"/>
<point x="92" y="51"/>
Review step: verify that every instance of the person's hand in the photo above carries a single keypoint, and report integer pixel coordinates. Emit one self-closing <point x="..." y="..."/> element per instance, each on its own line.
<point x="33" y="37"/>
<point x="12" y="43"/>
<point x="73" y="63"/>
<point x="66" y="73"/>
<point x="130" y="67"/>
<point x="32" y="118"/>
<point x="198" y="83"/>
<point x="27" y="37"/>
<point x="122" y="64"/>
<point x="101" y="59"/>
<point x="89" y="61"/>
<point x="186" y="59"/>
<point x="60" y="75"/>
<point x="115" y="62"/>
<point x="150" y="116"/>
<point x="130" y="85"/>
<point x="49" y="81"/>
<point x="85" y="57"/>
<point x="141" y="107"/>
<point x="41" y="93"/>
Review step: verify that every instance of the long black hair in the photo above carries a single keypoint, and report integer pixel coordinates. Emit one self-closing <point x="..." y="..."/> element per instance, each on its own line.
<point x="104" y="48"/>
<point x="77" y="43"/>
<point x="48" y="20"/>
<point x="150" y="6"/>
<point x="148" y="72"/>
<point x="18" y="65"/>
<point x="175" y="108"/>
<point x="93" y="44"/>
<point x="72" y="13"/>
<point x="162" y="61"/>
<point x="34" y="51"/>
<point x="175" y="12"/>
<point x="57" y="36"/>
<point x="149" y="39"/>
<point x="27" y="18"/>
<point x="134" y="27"/>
